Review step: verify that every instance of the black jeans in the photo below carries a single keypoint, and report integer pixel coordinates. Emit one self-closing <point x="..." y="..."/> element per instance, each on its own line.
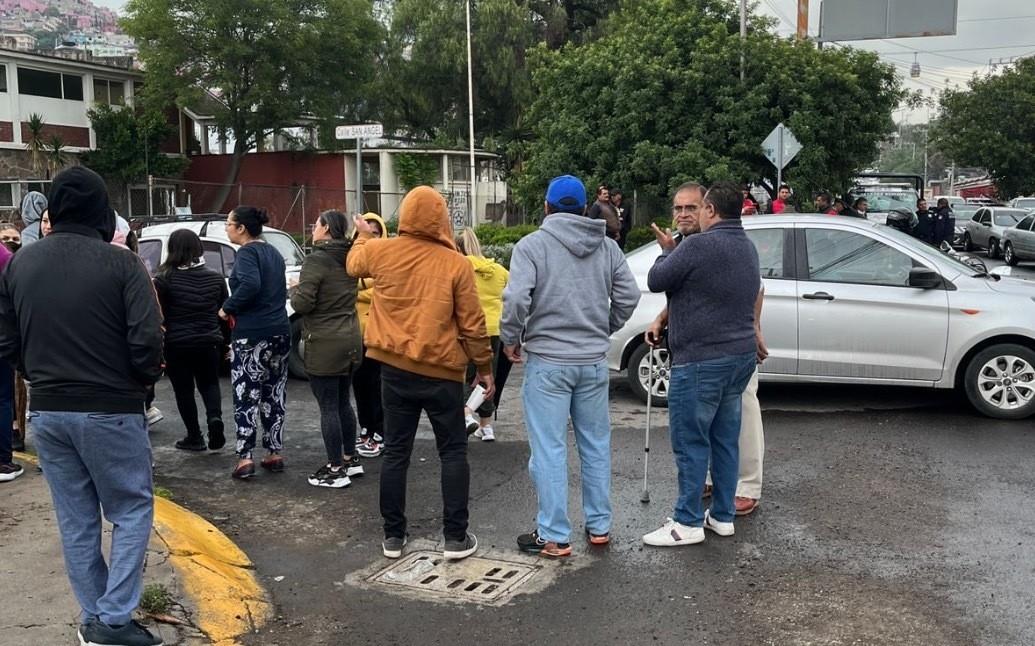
<point x="187" y="366"/>
<point x="405" y="395"/>
<point x="366" y="385"/>
<point x="6" y="412"/>
<point x="337" y="423"/>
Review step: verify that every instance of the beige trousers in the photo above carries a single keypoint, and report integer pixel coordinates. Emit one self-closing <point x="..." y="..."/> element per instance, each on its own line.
<point x="752" y="443"/>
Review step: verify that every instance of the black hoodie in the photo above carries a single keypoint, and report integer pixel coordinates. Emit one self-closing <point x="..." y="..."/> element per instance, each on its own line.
<point x="78" y="315"/>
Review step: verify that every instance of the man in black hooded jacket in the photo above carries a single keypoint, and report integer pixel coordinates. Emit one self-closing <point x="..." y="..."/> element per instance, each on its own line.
<point x="80" y="319"/>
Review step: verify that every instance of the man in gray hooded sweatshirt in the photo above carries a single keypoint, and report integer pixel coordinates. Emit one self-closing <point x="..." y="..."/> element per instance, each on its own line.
<point x="570" y="288"/>
<point x="33" y="205"/>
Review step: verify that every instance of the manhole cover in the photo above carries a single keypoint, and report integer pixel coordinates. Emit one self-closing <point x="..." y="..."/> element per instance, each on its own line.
<point x="481" y="580"/>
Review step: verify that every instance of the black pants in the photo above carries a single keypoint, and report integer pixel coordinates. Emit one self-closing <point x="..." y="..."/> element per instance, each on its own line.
<point x="405" y="395"/>
<point x="366" y="385"/>
<point x="190" y="366"/>
<point x="337" y="423"/>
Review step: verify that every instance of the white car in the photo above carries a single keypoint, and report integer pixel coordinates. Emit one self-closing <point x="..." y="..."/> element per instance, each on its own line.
<point x="855" y="302"/>
<point x="1026" y="203"/>
<point x="220" y="255"/>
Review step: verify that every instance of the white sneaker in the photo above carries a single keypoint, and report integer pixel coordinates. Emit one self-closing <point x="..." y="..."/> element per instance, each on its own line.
<point x="672" y="534"/>
<point x="471" y="423"/>
<point x="720" y="528"/>
<point x="154" y="416"/>
<point x="486" y="434"/>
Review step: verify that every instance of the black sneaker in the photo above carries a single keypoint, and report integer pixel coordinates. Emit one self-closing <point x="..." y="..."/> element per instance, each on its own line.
<point x="216" y="439"/>
<point x="191" y="444"/>
<point x="10" y="471"/>
<point x="532" y="543"/>
<point x="353" y="467"/>
<point x="98" y="633"/>
<point x="456" y="550"/>
<point x="325" y="476"/>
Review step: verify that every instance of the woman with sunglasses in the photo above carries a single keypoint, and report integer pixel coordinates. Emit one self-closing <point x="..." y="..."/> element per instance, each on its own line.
<point x="261" y="340"/>
<point x="326" y="298"/>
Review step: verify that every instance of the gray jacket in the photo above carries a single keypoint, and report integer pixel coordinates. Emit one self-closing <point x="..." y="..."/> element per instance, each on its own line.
<point x="570" y="288"/>
<point x="33" y="205"/>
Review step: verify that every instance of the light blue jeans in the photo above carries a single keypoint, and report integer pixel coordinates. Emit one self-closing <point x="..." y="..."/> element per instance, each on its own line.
<point x="551" y="394"/>
<point x="95" y="461"/>
<point x="704" y="410"/>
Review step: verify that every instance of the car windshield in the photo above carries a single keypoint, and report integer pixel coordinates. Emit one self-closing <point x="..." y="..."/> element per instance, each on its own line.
<point x="882" y="201"/>
<point x="287" y="247"/>
<point x="1008" y="219"/>
<point x="1028" y="203"/>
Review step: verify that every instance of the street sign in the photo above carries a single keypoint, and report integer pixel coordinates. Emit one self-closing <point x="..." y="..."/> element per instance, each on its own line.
<point x="361" y="131"/>
<point x="771" y="146"/>
<point x="457" y="201"/>
<point x="856" y="20"/>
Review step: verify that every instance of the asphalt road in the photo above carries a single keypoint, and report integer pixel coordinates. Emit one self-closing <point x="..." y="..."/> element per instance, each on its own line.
<point x="889" y="516"/>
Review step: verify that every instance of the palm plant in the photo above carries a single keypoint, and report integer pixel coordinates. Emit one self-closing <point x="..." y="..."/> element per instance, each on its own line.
<point x="35" y="144"/>
<point x="56" y="159"/>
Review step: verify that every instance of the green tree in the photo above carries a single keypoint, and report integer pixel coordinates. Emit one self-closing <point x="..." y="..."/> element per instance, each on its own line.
<point x="991" y="124"/>
<point x="128" y="144"/>
<point x="270" y="62"/>
<point x="415" y="169"/>
<point x="660" y="101"/>
<point x="36" y="143"/>
<point x="56" y="158"/>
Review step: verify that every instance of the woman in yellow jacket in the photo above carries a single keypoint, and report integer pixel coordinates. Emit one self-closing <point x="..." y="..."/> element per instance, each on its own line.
<point x="490" y="278"/>
<point x="366" y="380"/>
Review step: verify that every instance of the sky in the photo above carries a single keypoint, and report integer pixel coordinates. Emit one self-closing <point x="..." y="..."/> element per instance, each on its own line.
<point x="986" y="30"/>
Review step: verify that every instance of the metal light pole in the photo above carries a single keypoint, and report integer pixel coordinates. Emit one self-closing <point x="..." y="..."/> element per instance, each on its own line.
<point x="470" y="119"/>
<point x="743" y="35"/>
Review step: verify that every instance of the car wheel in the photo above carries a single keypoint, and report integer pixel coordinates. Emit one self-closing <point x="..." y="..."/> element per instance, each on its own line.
<point x="968" y="244"/>
<point x="993" y="248"/>
<point x="1000" y="381"/>
<point x="638" y="374"/>
<point x="296" y="359"/>
<point x="1008" y="254"/>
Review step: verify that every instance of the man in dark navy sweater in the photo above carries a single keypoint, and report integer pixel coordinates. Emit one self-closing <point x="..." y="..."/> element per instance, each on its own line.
<point x="712" y="281"/>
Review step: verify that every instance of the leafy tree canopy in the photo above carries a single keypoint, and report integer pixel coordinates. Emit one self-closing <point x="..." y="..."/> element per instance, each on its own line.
<point x="659" y="101"/>
<point x="128" y="143"/>
<point x="991" y="124"/>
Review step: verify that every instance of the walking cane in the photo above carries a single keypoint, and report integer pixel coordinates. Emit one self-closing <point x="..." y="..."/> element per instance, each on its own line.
<point x="645" y="496"/>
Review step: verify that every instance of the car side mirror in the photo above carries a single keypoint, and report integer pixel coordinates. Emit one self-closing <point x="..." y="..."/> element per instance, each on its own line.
<point x="924" y="278"/>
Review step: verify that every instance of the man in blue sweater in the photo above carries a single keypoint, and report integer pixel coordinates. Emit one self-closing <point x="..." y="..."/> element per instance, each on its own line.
<point x="570" y="288"/>
<point x="712" y="281"/>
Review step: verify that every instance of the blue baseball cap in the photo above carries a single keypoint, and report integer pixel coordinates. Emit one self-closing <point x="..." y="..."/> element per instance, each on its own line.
<point x="566" y="193"/>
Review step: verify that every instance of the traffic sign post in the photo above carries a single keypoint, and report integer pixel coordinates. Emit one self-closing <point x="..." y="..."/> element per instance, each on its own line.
<point x="780" y="147"/>
<point x="359" y="132"/>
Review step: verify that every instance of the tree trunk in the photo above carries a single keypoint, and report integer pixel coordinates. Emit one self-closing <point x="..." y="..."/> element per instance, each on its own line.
<point x="240" y="150"/>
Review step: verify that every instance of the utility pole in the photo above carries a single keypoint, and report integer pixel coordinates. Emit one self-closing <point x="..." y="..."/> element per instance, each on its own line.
<point x="803" y="19"/>
<point x="470" y="121"/>
<point x="743" y="35"/>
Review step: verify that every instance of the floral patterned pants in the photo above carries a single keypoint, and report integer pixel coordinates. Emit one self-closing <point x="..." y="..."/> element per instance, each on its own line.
<point x="259" y="371"/>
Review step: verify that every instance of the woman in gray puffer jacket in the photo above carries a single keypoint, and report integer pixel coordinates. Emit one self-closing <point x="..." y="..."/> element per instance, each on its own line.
<point x="34" y="204"/>
<point x="326" y="298"/>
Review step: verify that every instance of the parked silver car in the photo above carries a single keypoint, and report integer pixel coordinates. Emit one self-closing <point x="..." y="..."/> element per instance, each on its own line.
<point x="1019" y="242"/>
<point x="985" y="228"/>
<point x="852" y="301"/>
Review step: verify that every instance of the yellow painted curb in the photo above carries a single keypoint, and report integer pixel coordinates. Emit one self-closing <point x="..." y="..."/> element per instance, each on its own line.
<point x="215" y="573"/>
<point x="217" y="576"/>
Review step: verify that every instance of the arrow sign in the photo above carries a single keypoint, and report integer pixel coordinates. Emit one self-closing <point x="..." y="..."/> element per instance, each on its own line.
<point x="361" y="131"/>
<point x="771" y="146"/>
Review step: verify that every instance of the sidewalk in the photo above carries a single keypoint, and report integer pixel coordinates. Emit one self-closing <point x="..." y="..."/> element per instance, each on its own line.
<point x="38" y="605"/>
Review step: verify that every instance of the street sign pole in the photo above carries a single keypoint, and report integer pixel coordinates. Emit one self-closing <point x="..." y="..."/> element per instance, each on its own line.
<point x="359" y="133"/>
<point x="779" y="156"/>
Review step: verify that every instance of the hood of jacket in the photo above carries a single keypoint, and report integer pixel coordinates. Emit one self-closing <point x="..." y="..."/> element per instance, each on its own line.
<point x="79" y="202"/>
<point x="374" y="217"/>
<point x="33" y="205"/>
<point x="485" y="267"/>
<point x="337" y="249"/>
<point x="424" y="214"/>
<point x="579" y="234"/>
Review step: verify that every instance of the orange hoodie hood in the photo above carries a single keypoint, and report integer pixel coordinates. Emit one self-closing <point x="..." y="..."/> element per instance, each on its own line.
<point x="424" y="214"/>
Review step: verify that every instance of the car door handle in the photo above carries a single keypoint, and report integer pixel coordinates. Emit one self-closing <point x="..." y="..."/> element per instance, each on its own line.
<point x="818" y="296"/>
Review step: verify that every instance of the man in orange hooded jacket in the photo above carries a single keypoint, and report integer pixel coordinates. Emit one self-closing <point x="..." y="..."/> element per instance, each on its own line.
<point x="425" y="325"/>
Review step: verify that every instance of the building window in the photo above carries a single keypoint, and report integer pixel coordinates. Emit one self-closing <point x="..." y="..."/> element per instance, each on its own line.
<point x="108" y="92"/>
<point x="50" y="84"/>
<point x="459" y="168"/>
<point x="3" y="78"/>
<point x="7" y="195"/>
